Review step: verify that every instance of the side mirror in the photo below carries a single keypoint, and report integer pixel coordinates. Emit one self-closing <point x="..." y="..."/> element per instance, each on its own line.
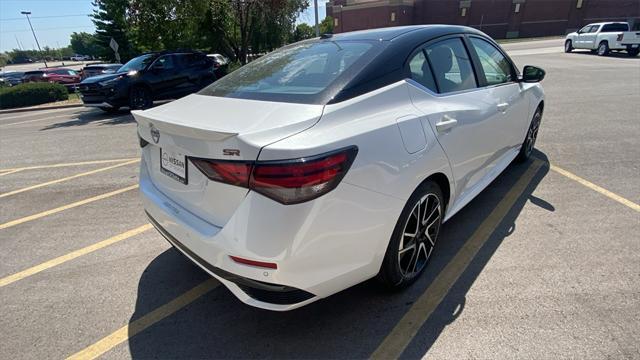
<point x="532" y="74"/>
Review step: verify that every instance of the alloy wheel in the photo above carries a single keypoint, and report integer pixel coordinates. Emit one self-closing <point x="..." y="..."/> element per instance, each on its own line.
<point x="532" y="134"/>
<point x="602" y="49"/>
<point x="419" y="235"/>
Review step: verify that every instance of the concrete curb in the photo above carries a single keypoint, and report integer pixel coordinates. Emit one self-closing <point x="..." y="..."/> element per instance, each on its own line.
<point x="36" y="108"/>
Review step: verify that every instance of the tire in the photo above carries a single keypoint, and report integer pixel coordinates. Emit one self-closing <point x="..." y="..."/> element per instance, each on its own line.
<point x="400" y="268"/>
<point x="109" y="110"/>
<point x="603" y="48"/>
<point x="568" y="46"/>
<point x="140" y="98"/>
<point x="530" y="139"/>
<point x="633" y="52"/>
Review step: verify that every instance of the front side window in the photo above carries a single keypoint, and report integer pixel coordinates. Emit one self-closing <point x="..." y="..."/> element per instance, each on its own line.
<point x="137" y="64"/>
<point x="496" y="67"/>
<point x="585" y="29"/>
<point x="421" y="73"/>
<point x="451" y="66"/>
<point x="297" y="73"/>
<point x="166" y="61"/>
<point x="594" y="29"/>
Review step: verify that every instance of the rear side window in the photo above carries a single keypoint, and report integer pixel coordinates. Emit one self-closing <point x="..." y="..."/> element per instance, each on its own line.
<point x="495" y="66"/>
<point x="302" y="72"/>
<point x="451" y="66"/>
<point x="421" y="73"/>
<point x="615" y="27"/>
<point x="193" y="60"/>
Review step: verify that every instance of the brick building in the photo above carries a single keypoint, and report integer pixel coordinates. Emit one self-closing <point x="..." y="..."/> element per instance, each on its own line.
<point x="498" y="18"/>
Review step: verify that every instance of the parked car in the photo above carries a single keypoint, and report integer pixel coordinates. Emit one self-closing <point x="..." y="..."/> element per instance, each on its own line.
<point x="67" y="77"/>
<point x="336" y="159"/>
<point x="99" y="69"/>
<point x="220" y="63"/>
<point x="601" y="38"/>
<point x="80" y="57"/>
<point x="149" y="77"/>
<point x="11" y="78"/>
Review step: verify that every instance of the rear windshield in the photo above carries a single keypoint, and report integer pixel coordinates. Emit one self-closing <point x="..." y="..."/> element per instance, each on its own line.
<point x="615" y="27"/>
<point x="307" y="72"/>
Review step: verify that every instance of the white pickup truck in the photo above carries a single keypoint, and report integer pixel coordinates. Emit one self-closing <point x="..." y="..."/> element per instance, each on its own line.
<point x="604" y="38"/>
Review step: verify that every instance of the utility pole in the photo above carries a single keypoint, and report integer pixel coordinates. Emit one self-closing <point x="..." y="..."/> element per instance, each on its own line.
<point x="27" y="13"/>
<point x="315" y="6"/>
<point x="19" y="46"/>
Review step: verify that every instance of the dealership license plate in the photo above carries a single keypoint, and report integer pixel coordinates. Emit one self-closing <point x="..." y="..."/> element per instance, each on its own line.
<point x="173" y="164"/>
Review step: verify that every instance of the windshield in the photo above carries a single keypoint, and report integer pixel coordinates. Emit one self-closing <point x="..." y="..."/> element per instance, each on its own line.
<point x="137" y="64"/>
<point x="301" y="72"/>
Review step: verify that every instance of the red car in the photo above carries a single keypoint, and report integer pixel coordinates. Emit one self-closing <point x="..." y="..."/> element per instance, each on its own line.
<point x="67" y="77"/>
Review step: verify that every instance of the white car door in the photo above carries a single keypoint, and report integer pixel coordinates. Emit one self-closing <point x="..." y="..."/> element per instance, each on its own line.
<point x="463" y="117"/>
<point x="589" y="38"/>
<point x="578" y="43"/>
<point x="498" y="76"/>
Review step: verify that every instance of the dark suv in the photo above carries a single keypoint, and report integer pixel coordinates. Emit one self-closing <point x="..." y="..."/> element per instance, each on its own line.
<point x="149" y="77"/>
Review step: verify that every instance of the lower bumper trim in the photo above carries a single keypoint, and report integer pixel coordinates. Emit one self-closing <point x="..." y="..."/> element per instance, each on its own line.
<point x="258" y="290"/>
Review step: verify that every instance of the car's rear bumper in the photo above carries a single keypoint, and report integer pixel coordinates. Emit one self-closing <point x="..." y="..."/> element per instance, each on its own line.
<point x="320" y="247"/>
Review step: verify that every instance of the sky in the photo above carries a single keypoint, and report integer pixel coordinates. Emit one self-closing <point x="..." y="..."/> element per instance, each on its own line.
<point x="55" y="20"/>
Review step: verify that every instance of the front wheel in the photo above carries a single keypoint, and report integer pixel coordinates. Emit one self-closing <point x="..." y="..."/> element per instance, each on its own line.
<point x="140" y="98"/>
<point x="603" y="49"/>
<point x="413" y="238"/>
<point x="568" y="46"/>
<point x="532" y="136"/>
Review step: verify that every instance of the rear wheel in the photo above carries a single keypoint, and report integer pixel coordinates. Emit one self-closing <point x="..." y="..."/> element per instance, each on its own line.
<point x="140" y="98"/>
<point x="568" y="46"/>
<point x="633" y="52"/>
<point x="413" y="238"/>
<point x="532" y="136"/>
<point x="603" y="49"/>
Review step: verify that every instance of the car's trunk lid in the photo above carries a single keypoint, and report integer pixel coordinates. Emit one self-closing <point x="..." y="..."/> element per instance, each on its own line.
<point x="199" y="126"/>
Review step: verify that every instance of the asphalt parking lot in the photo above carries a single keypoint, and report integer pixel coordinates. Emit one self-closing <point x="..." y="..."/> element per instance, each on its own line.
<point x="544" y="264"/>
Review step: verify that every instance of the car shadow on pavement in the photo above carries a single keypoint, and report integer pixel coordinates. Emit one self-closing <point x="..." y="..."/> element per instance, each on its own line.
<point x="96" y="116"/>
<point x="350" y="324"/>
<point x="612" y="54"/>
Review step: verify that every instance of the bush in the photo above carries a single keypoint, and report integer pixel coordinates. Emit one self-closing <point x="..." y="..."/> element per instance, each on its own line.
<point x="31" y="94"/>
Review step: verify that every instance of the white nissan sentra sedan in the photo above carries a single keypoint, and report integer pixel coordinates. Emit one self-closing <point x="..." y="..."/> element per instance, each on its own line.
<point x="334" y="160"/>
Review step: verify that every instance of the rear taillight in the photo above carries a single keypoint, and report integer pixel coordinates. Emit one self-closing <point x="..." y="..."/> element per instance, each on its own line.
<point x="286" y="181"/>
<point x="620" y="36"/>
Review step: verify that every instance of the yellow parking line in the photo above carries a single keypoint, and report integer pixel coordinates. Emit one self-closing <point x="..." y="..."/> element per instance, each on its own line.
<point x="72" y="255"/>
<point x="65" y="207"/>
<point x="92" y="162"/>
<point x="135" y="327"/>
<point x="409" y="325"/>
<point x="596" y="188"/>
<point x="9" y="172"/>
<point x="67" y="178"/>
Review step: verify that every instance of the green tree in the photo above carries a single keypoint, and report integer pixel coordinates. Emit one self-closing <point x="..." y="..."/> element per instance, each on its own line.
<point x="303" y="31"/>
<point x="111" y="21"/>
<point x="326" y="25"/>
<point x="85" y="44"/>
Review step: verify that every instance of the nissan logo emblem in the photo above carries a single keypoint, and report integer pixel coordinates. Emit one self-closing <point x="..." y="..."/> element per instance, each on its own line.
<point x="155" y="134"/>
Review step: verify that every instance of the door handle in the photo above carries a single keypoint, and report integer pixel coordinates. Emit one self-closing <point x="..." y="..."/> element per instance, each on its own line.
<point x="503" y="107"/>
<point x="447" y="123"/>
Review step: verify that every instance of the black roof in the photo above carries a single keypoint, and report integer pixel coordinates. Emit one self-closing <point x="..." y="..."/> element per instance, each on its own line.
<point x="405" y="32"/>
<point x="397" y="44"/>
